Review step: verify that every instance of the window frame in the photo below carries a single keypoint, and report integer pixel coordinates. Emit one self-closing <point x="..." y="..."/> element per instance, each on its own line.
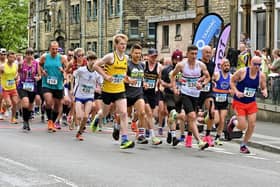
<point x="151" y="36"/>
<point x="130" y="29"/>
<point x="165" y="37"/>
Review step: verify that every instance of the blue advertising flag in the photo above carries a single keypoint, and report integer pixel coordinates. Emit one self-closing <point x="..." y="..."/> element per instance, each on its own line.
<point x="206" y="29"/>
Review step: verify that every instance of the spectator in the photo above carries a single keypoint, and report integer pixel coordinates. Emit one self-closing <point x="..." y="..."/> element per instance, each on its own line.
<point x="275" y="68"/>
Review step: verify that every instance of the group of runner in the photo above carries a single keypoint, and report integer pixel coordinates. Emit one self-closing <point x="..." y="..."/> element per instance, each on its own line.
<point x="78" y="87"/>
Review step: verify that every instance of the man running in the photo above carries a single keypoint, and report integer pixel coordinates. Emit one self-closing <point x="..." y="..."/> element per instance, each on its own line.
<point x="113" y="90"/>
<point x="245" y="83"/>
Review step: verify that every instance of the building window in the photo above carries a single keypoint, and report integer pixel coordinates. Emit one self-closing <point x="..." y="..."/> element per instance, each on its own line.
<point x="259" y="1"/>
<point x="110" y="8"/>
<point x="89" y="46"/>
<point x="117" y="7"/>
<point x="186" y="6"/>
<point x="94" y="9"/>
<point x="260" y="36"/>
<point x="59" y="17"/>
<point x="110" y="46"/>
<point x="178" y="29"/>
<point x="89" y="10"/>
<point x="48" y="22"/>
<point x="94" y="46"/>
<point x="72" y="14"/>
<point x="77" y="13"/>
<point x="152" y="30"/>
<point x="165" y="36"/>
<point x="133" y="28"/>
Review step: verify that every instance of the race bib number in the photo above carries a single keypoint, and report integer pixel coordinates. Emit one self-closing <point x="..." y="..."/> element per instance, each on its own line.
<point x="52" y="80"/>
<point x="249" y="92"/>
<point x="117" y="79"/>
<point x="151" y="83"/>
<point x="206" y="88"/>
<point x="138" y="83"/>
<point x="86" y="89"/>
<point x="221" y="98"/>
<point x="28" y="86"/>
<point x="10" y="83"/>
<point x="191" y="83"/>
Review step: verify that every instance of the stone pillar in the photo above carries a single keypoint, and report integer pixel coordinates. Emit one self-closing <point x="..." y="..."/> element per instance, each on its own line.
<point x="234" y="25"/>
<point x="246" y="6"/>
<point x="269" y="27"/>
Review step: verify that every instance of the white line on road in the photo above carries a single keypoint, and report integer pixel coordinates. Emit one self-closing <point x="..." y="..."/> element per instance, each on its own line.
<point x="265" y="137"/>
<point x="17" y="164"/>
<point x="255" y="157"/>
<point x="65" y="181"/>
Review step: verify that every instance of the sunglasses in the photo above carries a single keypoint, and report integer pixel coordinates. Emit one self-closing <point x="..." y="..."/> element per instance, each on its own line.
<point x="257" y="64"/>
<point x="80" y="56"/>
<point x="70" y="55"/>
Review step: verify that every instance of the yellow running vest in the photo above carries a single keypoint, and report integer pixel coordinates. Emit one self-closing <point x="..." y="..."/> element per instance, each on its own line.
<point x="8" y="77"/>
<point x="118" y="71"/>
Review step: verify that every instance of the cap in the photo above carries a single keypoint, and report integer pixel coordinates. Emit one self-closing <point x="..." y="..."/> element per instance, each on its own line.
<point x="3" y="51"/>
<point x="152" y="51"/>
<point x="177" y="54"/>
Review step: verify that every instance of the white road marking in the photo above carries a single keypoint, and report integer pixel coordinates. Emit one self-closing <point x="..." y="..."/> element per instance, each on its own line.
<point x="65" y="181"/>
<point x="256" y="157"/>
<point x="18" y="164"/>
<point x="265" y="137"/>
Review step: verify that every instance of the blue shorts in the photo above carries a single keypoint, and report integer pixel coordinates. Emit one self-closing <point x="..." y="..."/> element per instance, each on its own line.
<point x="84" y="100"/>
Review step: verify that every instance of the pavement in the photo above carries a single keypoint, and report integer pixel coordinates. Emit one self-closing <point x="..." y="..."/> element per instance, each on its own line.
<point x="265" y="137"/>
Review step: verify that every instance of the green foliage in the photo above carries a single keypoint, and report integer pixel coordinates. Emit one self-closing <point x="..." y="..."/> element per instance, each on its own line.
<point x="13" y="24"/>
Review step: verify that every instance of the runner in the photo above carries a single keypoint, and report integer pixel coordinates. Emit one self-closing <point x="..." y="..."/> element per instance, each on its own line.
<point x="113" y="90"/>
<point x="9" y="77"/>
<point x="192" y="83"/>
<point x="86" y="80"/>
<point x="3" y="59"/>
<point x="52" y="83"/>
<point x="29" y="72"/>
<point x="244" y="83"/>
<point x="221" y="90"/>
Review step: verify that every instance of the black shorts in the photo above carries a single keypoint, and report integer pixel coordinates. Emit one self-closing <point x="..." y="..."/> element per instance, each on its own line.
<point x="221" y="105"/>
<point x="109" y="98"/>
<point x="151" y="99"/>
<point x="189" y="103"/>
<point x="131" y="101"/>
<point x="173" y="102"/>
<point x="97" y="96"/>
<point x="160" y="96"/>
<point x="203" y="96"/>
<point x="23" y="93"/>
<point x="39" y="90"/>
<point x="57" y="94"/>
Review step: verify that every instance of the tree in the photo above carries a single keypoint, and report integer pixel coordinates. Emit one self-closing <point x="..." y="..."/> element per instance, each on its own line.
<point x="13" y="24"/>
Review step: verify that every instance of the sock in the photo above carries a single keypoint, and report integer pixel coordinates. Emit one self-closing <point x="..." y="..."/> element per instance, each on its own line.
<point x="217" y="137"/>
<point x="25" y="115"/>
<point x="141" y="131"/>
<point x="189" y="133"/>
<point x="152" y="132"/>
<point x="124" y="137"/>
<point x="66" y="109"/>
<point x="49" y="113"/>
<point x="55" y="114"/>
<point x="173" y="134"/>
<point x="242" y="144"/>
<point x="207" y="132"/>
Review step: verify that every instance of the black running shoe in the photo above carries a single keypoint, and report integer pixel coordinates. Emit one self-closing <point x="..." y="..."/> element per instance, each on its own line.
<point x="142" y="140"/>
<point x="169" y="138"/>
<point x="175" y="141"/>
<point x="116" y="133"/>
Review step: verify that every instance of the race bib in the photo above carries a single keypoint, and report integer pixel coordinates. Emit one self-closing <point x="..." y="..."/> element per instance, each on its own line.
<point x="206" y="88"/>
<point x="151" y="83"/>
<point x="52" y="80"/>
<point x="191" y="83"/>
<point x="10" y="83"/>
<point x="28" y="86"/>
<point x="86" y="89"/>
<point x="117" y="79"/>
<point x="249" y="92"/>
<point x="138" y="83"/>
<point x="221" y="98"/>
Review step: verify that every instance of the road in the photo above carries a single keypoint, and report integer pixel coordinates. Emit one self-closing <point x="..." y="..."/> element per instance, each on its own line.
<point x="39" y="158"/>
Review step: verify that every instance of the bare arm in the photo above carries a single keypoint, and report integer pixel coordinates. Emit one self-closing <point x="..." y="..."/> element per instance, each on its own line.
<point x="178" y="68"/>
<point x="41" y="63"/>
<point x="206" y="74"/>
<point x="236" y="77"/>
<point x="107" y="59"/>
<point x="263" y="84"/>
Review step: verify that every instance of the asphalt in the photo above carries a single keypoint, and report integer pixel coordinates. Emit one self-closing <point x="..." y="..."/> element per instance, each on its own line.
<point x="265" y="137"/>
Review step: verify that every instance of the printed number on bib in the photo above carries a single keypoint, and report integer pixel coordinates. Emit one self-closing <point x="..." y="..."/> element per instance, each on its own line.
<point x="138" y="83"/>
<point x="52" y="80"/>
<point x="221" y="97"/>
<point x="206" y="88"/>
<point x="10" y="83"/>
<point x="28" y="86"/>
<point x="117" y="79"/>
<point x="151" y="83"/>
<point x="249" y="92"/>
<point x="191" y="83"/>
<point x="86" y="89"/>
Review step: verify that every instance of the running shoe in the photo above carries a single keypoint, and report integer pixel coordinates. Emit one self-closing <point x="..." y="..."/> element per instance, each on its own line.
<point x="188" y="141"/>
<point x="116" y="132"/>
<point x="142" y="140"/>
<point x="13" y="121"/>
<point x="173" y="115"/>
<point x="169" y="138"/>
<point x="209" y="140"/>
<point x="202" y="145"/>
<point x="244" y="150"/>
<point x="160" y="131"/>
<point x="127" y="144"/>
<point x="230" y="124"/>
<point x="182" y="138"/>
<point x="24" y="127"/>
<point x="156" y="141"/>
<point x="175" y="141"/>
<point x="51" y="126"/>
<point x="94" y="124"/>
<point x="42" y="118"/>
<point x="218" y="142"/>
<point x="1" y="117"/>
<point x="134" y="126"/>
<point x="79" y="136"/>
<point x="57" y="125"/>
<point x="64" y="120"/>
